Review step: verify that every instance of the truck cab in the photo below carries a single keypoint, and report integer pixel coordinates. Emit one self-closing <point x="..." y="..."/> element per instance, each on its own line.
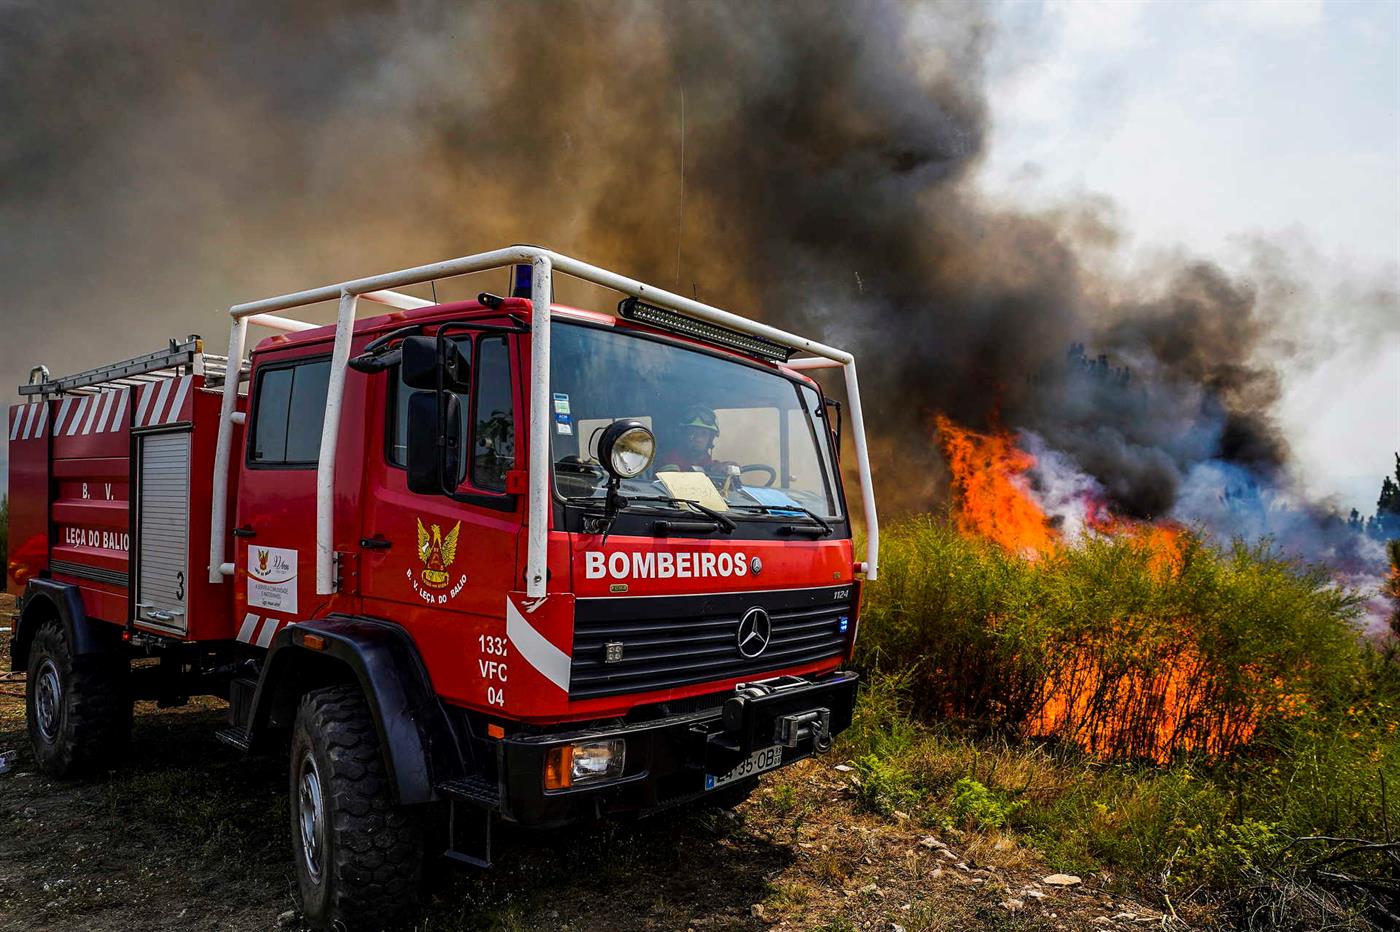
<point x="493" y="559"/>
<point x="647" y="599"/>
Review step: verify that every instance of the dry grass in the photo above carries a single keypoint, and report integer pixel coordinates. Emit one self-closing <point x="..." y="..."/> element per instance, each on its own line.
<point x="188" y="835"/>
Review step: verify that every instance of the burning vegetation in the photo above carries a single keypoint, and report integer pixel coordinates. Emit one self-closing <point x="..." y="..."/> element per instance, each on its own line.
<point x="1091" y="643"/>
<point x="1138" y="686"/>
<point x="1203" y="719"/>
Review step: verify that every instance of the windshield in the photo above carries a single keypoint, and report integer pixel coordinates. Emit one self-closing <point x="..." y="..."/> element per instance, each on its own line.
<point x="729" y="436"/>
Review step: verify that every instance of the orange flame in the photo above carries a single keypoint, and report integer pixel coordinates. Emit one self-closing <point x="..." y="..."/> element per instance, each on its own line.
<point x="992" y="493"/>
<point x="1151" y="711"/>
<point x="1166" y="703"/>
<point x="993" y="499"/>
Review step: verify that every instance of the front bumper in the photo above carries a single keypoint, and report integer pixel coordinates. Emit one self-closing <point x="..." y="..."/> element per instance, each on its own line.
<point x="668" y="759"/>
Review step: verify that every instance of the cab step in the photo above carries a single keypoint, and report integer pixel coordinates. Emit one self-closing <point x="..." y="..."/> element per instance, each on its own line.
<point x="473" y="789"/>
<point x="235" y="737"/>
<point x="474" y="802"/>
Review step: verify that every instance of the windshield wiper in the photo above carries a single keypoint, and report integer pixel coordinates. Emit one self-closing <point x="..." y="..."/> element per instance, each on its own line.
<point x="777" y="510"/>
<point x="724" y="522"/>
<point x="603" y="520"/>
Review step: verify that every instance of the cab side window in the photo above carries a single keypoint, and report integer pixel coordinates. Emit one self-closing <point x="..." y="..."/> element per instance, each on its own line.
<point x="289" y="408"/>
<point x="488" y="414"/>
<point x="493" y="416"/>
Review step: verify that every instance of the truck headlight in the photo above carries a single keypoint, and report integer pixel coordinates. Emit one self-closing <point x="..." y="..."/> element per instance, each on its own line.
<point x="584" y="762"/>
<point x="626" y="448"/>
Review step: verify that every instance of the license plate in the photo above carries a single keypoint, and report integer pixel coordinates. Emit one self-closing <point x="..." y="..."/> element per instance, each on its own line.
<point x="759" y="761"/>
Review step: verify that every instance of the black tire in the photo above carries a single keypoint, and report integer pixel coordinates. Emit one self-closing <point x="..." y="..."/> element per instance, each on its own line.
<point x="359" y="856"/>
<point x="78" y="708"/>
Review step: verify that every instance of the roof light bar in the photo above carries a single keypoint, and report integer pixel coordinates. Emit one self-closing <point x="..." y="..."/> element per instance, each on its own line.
<point x="632" y="309"/>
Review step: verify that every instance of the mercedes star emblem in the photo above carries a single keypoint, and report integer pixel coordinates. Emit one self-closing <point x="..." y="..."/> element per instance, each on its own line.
<point x="755" y="566"/>
<point x="755" y="631"/>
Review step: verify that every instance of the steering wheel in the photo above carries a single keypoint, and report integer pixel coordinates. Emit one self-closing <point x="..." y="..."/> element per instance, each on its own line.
<point x="762" y="467"/>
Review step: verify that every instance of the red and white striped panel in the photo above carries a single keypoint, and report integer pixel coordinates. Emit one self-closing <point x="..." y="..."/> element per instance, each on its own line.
<point x="162" y="402"/>
<point x="258" y="630"/>
<point x="98" y="413"/>
<point x="28" y="422"/>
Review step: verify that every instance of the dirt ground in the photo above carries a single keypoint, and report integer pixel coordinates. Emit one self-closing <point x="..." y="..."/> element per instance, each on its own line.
<point x="186" y="834"/>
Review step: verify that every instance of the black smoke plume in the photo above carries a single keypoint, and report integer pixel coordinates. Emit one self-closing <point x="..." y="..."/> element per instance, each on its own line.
<point x="162" y="161"/>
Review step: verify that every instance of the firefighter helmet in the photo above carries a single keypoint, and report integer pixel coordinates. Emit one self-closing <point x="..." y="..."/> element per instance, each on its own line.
<point x="700" y="416"/>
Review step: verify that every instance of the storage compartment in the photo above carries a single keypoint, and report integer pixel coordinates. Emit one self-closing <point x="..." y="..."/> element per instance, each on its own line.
<point x="163" y="530"/>
<point x="110" y="489"/>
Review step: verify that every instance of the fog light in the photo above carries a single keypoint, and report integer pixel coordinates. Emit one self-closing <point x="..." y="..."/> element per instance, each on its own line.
<point x="584" y="762"/>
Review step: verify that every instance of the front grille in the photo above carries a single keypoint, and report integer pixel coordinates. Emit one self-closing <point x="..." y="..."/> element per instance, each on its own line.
<point x="670" y="641"/>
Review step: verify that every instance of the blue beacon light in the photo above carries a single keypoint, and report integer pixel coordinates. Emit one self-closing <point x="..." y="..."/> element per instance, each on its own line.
<point x="523" y="281"/>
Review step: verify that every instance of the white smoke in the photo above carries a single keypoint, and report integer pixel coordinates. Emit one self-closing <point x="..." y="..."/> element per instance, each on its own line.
<point x="1069" y="496"/>
<point x="1224" y="503"/>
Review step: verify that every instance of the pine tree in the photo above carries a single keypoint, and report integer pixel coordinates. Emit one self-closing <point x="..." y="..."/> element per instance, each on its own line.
<point x="1387" y="522"/>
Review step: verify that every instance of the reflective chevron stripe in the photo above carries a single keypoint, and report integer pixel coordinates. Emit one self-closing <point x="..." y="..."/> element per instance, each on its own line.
<point x="258" y="630"/>
<point x="104" y="411"/>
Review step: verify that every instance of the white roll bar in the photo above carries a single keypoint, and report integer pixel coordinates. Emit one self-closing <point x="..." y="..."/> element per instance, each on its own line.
<point x="404" y="302"/>
<point x="544" y="263"/>
<point x="284" y="324"/>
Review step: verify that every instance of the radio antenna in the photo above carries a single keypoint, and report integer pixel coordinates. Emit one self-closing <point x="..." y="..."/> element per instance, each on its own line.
<point x="680" y="221"/>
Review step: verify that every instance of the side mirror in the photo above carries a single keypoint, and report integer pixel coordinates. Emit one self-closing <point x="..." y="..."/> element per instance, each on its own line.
<point x="419" y="363"/>
<point x="421" y="358"/>
<point x="434" y="442"/>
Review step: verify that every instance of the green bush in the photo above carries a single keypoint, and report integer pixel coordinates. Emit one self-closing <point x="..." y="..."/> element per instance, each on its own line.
<point x="978" y="806"/>
<point x="990" y="636"/>
<point x="1219" y="856"/>
<point x="882" y="785"/>
<point x="962" y="644"/>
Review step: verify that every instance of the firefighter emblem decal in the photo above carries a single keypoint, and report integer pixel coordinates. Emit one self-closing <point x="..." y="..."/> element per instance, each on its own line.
<point x="437" y="551"/>
<point x="272" y="579"/>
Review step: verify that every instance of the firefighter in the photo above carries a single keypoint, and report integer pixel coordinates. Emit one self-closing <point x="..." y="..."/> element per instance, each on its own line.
<point x="694" y="438"/>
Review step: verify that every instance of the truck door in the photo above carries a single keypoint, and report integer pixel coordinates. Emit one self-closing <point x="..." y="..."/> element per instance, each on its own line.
<point x="275" y="521"/>
<point x="434" y="560"/>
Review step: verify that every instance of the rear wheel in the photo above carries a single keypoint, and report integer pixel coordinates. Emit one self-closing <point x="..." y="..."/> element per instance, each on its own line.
<point x="359" y="856"/>
<point x="78" y="708"/>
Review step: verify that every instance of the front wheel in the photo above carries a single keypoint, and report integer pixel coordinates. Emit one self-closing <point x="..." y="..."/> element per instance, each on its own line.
<point x="359" y="855"/>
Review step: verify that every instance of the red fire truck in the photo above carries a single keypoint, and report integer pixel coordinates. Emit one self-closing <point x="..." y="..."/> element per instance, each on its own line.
<point x="494" y="559"/>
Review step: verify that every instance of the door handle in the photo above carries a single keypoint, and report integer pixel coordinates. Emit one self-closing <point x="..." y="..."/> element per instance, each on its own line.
<point x="375" y="543"/>
<point x="148" y="610"/>
<point x="244" y="532"/>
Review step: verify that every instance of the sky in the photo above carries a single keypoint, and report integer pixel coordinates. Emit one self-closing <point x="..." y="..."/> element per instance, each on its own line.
<point x="1223" y="129"/>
